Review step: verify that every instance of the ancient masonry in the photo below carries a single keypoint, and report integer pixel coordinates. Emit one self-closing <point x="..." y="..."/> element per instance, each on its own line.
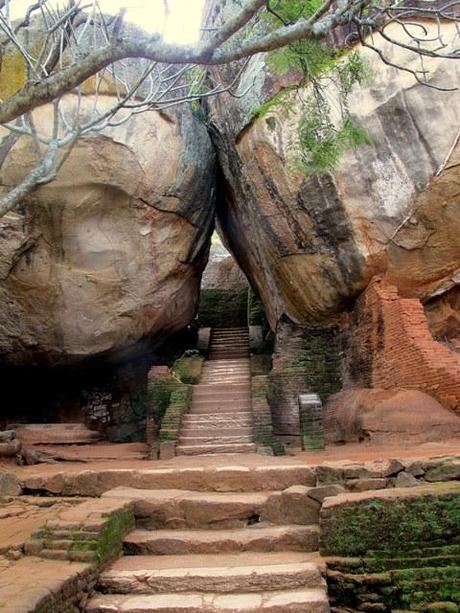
<point x="220" y="415"/>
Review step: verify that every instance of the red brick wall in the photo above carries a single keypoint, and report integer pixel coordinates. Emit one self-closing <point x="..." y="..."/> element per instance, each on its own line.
<point x="391" y="346"/>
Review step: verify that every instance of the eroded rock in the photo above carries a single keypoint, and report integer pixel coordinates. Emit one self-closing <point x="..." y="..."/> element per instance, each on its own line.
<point x="107" y="258"/>
<point x="310" y="244"/>
<point x="388" y="416"/>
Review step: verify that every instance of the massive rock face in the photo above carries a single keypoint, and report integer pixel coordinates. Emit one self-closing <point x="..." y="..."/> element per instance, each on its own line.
<point x="309" y="245"/>
<point x="107" y="258"/>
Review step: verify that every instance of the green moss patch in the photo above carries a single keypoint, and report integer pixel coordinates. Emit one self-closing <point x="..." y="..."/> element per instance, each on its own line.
<point x="399" y="551"/>
<point x="221" y="308"/>
<point x="188" y="369"/>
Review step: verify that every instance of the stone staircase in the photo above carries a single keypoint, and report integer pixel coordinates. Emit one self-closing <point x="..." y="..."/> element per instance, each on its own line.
<point x="208" y="551"/>
<point x="220" y="416"/>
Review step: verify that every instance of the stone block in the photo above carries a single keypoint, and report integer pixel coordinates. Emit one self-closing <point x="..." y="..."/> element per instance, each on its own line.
<point x="417" y="469"/>
<point x="9" y="485"/>
<point x="323" y="491"/>
<point x="447" y="471"/>
<point x="291" y="506"/>
<point x="363" y="485"/>
<point x="329" y="474"/>
<point x="406" y="480"/>
<point x="167" y="450"/>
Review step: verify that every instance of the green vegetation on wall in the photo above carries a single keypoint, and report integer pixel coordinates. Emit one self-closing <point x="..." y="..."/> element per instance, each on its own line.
<point x="158" y="395"/>
<point x="256" y="310"/>
<point x="320" y="359"/>
<point x="188" y="369"/>
<point x="399" y="552"/>
<point x="220" y="308"/>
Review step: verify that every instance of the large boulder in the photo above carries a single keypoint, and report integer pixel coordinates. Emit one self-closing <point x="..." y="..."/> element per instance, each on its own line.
<point x="106" y="260"/>
<point x="392" y="417"/>
<point x="310" y="244"/>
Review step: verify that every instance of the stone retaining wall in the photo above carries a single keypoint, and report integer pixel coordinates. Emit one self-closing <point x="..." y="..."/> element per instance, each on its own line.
<point x="90" y="532"/>
<point x="304" y="360"/>
<point x="395" y="550"/>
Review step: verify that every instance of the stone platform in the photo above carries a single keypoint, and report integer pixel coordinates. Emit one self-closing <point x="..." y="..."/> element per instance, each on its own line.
<point x="263" y="511"/>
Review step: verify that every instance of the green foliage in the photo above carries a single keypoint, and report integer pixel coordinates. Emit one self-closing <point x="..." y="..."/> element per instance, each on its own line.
<point x="386" y="525"/>
<point x="188" y="369"/>
<point x="111" y="541"/>
<point x="326" y="128"/>
<point x="220" y="308"/>
<point x="308" y="56"/>
<point x="159" y="393"/>
<point x="279" y="100"/>
<point x="256" y="310"/>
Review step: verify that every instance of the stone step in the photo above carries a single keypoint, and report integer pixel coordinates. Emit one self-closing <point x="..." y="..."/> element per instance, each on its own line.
<point x="226" y="574"/>
<point x="226" y="328"/>
<point x="236" y="361"/>
<point x="215" y="449"/>
<point x="229" y="397"/>
<point x="206" y="430"/>
<point x="240" y="397"/>
<point x="253" y="538"/>
<point x="225" y="381"/>
<point x="221" y="331"/>
<point x="227" y="378"/>
<point x="56" y="434"/>
<point x="250" y="474"/>
<point x="222" y="372"/>
<point x="226" y="369"/>
<point x="229" y="388"/>
<point x="192" y="509"/>
<point x="288" y="601"/>
<point x="216" y="408"/>
<point x="232" y="404"/>
<point x="228" y="351"/>
<point x="229" y="345"/>
<point x="217" y="418"/>
<point x="214" y="439"/>
<point x="219" y="356"/>
<point x="231" y="335"/>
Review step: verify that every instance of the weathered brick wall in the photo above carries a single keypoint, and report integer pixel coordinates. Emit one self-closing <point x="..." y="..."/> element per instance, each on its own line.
<point x="390" y="345"/>
<point x="304" y="360"/>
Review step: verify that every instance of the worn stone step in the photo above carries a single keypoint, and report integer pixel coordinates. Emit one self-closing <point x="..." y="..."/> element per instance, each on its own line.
<point x="250" y="474"/>
<point x="287" y="601"/>
<point x="229" y="388"/>
<point x="217" y="354"/>
<point x="221" y="417"/>
<point x="56" y="434"/>
<point x="230" y="338"/>
<point x="227" y="574"/>
<point x="192" y="509"/>
<point x="213" y="439"/>
<point x="220" y="365"/>
<point x="222" y="370"/>
<point x="216" y="407"/>
<point x="241" y="397"/>
<point x="226" y="379"/>
<point x="215" y="449"/>
<point x="206" y="430"/>
<point x="230" y="378"/>
<point x="220" y="402"/>
<point x="212" y="396"/>
<point x="253" y="538"/>
<point x="235" y="361"/>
